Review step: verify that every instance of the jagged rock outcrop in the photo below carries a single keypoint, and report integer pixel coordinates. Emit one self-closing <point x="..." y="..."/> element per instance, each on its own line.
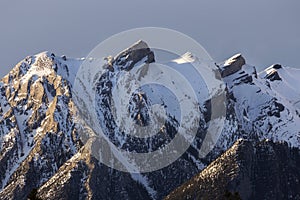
<point x="232" y="65"/>
<point x="272" y="74"/>
<point x="131" y="56"/>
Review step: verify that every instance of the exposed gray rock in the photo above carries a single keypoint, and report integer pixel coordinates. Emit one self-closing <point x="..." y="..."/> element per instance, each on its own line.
<point x="232" y="65"/>
<point x="134" y="54"/>
<point x="272" y="74"/>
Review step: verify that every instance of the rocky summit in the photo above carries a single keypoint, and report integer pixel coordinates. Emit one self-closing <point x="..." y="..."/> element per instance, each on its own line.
<point x="47" y="151"/>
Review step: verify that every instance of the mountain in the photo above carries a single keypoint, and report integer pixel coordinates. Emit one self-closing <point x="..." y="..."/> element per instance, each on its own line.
<point x="263" y="170"/>
<point x="48" y="145"/>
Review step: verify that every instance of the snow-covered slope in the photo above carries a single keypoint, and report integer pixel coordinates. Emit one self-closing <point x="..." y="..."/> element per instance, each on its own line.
<point x="265" y="107"/>
<point x="47" y="151"/>
<point x="284" y="82"/>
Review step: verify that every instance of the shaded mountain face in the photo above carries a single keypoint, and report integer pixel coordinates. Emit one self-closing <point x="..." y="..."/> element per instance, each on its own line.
<point x="248" y="170"/>
<point x="47" y="152"/>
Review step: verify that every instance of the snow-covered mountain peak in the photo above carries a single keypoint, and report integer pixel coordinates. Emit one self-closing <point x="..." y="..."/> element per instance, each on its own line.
<point x="41" y="137"/>
<point x="271" y="73"/>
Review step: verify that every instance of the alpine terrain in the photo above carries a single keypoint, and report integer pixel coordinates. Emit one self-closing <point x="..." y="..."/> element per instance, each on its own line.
<point x="49" y="148"/>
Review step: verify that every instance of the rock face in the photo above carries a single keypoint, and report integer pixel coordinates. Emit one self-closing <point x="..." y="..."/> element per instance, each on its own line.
<point x="37" y="130"/>
<point x="47" y="153"/>
<point x="272" y="74"/>
<point x="232" y="65"/>
<point x="129" y="57"/>
<point x="247" y="170"/>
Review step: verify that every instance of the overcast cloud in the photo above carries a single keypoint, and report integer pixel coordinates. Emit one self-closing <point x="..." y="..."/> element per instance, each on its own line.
<point x="265" y="31"/>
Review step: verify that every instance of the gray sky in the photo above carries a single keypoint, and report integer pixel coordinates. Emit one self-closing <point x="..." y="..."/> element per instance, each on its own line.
<point x="265" y="31"/>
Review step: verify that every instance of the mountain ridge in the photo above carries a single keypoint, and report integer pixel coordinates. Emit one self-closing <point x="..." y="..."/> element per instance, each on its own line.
<point x="43" y="145"/>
